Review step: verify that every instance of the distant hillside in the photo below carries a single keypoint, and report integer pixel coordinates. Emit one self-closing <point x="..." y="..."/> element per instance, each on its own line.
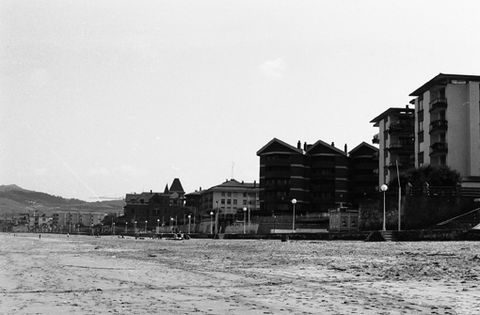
<point x="16" y="200"/>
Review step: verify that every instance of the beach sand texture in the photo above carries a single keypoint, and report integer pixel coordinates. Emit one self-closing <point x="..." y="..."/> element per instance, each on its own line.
<point x="110" y="275"/>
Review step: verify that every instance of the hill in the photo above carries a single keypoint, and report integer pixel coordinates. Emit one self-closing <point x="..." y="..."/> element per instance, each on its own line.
<point x="15" y="200"/>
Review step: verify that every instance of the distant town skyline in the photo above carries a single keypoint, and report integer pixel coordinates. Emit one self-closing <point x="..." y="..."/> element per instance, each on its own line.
<point x="102" y="98"/>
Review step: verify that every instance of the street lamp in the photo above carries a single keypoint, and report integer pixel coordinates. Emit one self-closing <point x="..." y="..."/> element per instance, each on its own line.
<point x="244" y="218"/>
<point x="384" y="188"/>
<point x="135" y="227"/>
<point x="189" y="217"/>
<point x="294" y="201"/>
<point x="158" y="225"/>
<point x="113" y="228"/>
<point x="146" y="226"/>
<point x="126" y="230"/>
<point x="211" y="222"/>
<point x="171" y="224"/>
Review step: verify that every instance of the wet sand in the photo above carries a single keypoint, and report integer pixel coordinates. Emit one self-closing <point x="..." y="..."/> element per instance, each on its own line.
<point x="87" y="275"/>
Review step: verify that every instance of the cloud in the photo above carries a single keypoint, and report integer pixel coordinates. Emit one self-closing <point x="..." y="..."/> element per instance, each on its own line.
<point x="273" y="68"/>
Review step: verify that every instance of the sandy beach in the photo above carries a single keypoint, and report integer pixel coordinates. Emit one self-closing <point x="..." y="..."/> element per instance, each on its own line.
<point x="87" y="275"/>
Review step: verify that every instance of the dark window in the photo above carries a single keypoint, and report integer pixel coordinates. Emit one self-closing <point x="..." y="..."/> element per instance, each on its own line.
<point x="420" y="159"/>
<point x="420" y="137"/>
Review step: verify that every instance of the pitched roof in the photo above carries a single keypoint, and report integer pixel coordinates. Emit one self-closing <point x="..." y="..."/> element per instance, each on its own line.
<point x="176" y="186"/>
<point x="324" y="144"/>
<point x="233" y="184"/>
<point x="363" y="144"/>
<point x="443" y="78"/>
<point x="286" y="145"/>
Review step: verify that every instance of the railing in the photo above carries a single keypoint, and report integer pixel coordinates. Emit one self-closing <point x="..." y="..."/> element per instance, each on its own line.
<point x="438" y="148"/>
<point x="438" y="103"/>
<point x="439" y="124"/>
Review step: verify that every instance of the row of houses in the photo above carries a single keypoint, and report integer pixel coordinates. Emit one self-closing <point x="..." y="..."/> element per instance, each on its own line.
<point x="440" y="126"/>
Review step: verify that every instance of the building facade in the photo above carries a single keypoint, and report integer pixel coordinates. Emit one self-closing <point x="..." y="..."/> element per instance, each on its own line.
<point x="316" y="176"/>
<point x="447" y="124"/>
<point x="229" y="198"/>
<point x="363" y="173"/>
<point x="396" y="140"/>
<point x="155" y="208"/>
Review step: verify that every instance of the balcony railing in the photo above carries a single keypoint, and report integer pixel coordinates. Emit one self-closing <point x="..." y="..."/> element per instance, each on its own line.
<point x="397" y="127"/>
<point x="438" y="103"/>
<point x="438" y="125"/>
<point x="438" y="148"/>
<point x="400" y="146"/>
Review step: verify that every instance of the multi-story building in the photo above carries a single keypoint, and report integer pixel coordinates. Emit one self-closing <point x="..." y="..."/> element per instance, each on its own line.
<point x="156" y="207"/>
<point x="229" y="198"/>
<point x="363" y="173"/>
<point x="447" y="125"/>
<point x="396" y="140"/>
<point x="317" y="176"/>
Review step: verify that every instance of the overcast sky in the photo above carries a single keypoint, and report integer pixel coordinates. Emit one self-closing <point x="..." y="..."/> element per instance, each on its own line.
<point x="101" y="98"/>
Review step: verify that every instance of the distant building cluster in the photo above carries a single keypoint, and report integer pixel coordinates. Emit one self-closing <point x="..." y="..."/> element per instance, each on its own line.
<point x="440" y="126"/>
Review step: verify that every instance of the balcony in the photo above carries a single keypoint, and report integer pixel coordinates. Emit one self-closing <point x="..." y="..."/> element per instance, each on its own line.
<point x="401" y="127"/>
<point x="438" y="103"/>
<point x="400" y="146"/>
<point x="438" y="125"/>
<point x="438" y="148"/>
<point x="376" y="139"/>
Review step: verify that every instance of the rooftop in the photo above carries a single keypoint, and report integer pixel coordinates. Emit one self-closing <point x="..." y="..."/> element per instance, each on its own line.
<point x="444" y="78"/>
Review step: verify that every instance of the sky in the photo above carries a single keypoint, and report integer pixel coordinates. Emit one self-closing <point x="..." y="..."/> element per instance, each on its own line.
<point x="101" y="98"/>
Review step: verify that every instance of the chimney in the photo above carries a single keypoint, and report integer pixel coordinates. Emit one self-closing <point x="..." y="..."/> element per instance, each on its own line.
<point x="345" y="148"/>
<point x="254" y="184"/>
<point x="333" y="144"/>
<point x="305" y="146"/>
<point x="299" y="144"/>
<point x="150" y="191"/>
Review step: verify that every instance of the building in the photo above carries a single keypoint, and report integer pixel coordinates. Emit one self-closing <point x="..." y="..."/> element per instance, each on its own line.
<point x="396" y="138"/>
<point x="229" y="198"/>
<point x="156" y="207"/>
<point x="363" y="173"/>
<point x="317" y="176"/>
<point x="447" y="124"/>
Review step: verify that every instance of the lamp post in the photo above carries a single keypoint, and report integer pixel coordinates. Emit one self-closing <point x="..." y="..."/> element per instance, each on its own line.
<point x="384" y="188"/>
<point x="126" y="229"/>
<point x="158" y="225"/>
<point x="146" y="222"/>
<point x="189" y="217"/>
<point x="113" y="228"/>
<point x="294" y="201"/>
<point x="244" y="218"/>
<point x="135" y="227"/>
<point x="211" y="222"/>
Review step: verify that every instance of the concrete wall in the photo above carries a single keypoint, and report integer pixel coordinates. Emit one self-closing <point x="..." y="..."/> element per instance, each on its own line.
<point x="457" y="135"/>
<point x="473" y="166"/>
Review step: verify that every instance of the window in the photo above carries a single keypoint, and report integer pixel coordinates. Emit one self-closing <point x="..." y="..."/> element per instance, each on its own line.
<point x="244" y="202"/>
<point x="223" y="194"/>
<point x="234" y="201"/>
<point x="420" y="104"/>
<point x="229" y="201"/>
<point x="229" y="194"/>
<point x="222" y="201"/>
<point x="420" y="159"/>
<point x="420" y="137"/>
<point x="244" y="194"/>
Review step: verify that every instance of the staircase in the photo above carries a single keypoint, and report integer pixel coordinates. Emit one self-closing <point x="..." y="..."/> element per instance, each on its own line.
<point x="389" y="236"/>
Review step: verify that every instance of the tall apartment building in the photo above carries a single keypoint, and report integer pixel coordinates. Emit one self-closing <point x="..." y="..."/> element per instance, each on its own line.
<point x="317" y="176"/>
<point x="396" y="138"/>
<point x="363" y="173"/>
<point x="447" y="125"/>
